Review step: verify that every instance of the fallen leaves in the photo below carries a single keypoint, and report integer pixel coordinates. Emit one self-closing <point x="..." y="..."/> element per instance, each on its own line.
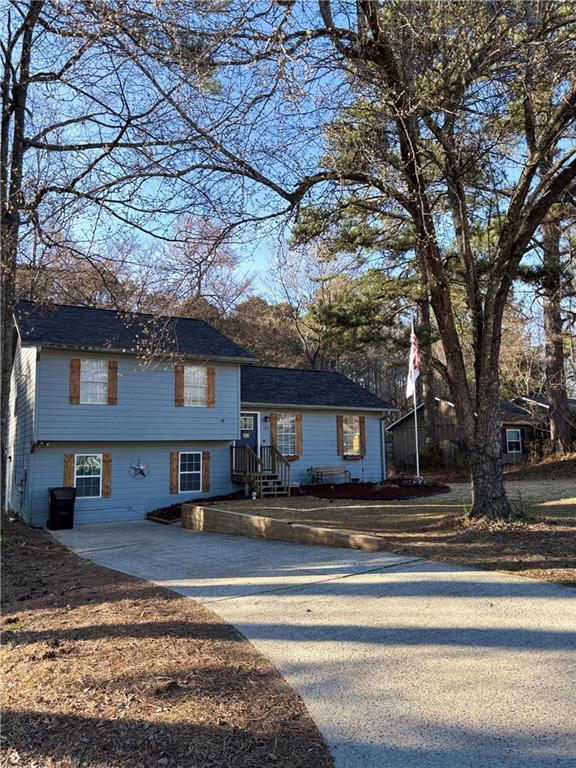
<point x="105" y="671"/>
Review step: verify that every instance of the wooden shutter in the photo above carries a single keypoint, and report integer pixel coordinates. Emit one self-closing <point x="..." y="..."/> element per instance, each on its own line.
<point x="179" y="395"/>
<point x="274" y="429"/>
<point x="211" y="385"/>
<point x="75" y="380"/>
<point x="106" y="475"/>
<point x="69" y="467"/>
<point x="112" y="382"/>
<point x="299" y="434"/>
<point x="340" y="435"/>
<point x="174" y="468"/>
<point x="205" y="471"/>
<point x="362" y="420"/>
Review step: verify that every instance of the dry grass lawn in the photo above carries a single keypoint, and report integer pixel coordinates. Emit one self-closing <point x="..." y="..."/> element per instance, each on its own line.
<point x="102" y="670"/>
<point x="423" y="527"/>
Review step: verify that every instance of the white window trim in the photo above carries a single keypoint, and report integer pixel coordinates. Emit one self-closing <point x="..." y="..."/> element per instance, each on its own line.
<point x="94" y="402"/>
<point x="196" y="405"/>
<point x="180" y="473"/>
<point x="519" y="431"/>
<point x="350" y="453"/>
<point x="98" y="455"/>
<point x="293" y="417"/>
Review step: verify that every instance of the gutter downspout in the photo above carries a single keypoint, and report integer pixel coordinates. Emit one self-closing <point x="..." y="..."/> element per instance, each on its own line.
<point x="383" y="448"/>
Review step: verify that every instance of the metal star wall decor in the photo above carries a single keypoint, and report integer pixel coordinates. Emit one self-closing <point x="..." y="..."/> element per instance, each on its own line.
<point x="139" y="468"/>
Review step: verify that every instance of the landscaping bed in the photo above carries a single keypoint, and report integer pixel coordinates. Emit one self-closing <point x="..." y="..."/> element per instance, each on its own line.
<point x="104" y="670"/>
<point x="391" y="490"/>
<point x="173" y="513"/>
<point x="435" y="528"/>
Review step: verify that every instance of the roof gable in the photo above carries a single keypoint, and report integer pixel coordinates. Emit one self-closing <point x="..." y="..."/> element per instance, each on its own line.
<point x="295" y="386"/>
<point x="88" y="328"/>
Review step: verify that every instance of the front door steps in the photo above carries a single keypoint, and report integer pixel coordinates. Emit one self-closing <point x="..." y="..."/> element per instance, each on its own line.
<point x="267" y="474"/>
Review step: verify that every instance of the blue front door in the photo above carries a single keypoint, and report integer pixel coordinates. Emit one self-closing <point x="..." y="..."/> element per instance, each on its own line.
<point x="249" y="430"/>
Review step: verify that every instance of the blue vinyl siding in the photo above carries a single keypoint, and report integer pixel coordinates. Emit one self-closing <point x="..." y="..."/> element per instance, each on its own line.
<point x="145" y="409"/>
<point x="131" y="498"/>
<point x="21" y="429"/>
<point x="319" y="446"/>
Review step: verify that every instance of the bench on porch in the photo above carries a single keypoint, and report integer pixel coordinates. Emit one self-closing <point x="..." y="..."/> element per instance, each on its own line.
<point x="324" y="474"/>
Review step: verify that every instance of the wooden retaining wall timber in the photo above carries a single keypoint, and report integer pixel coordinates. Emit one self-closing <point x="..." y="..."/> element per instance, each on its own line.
<point x="214" y="520"/>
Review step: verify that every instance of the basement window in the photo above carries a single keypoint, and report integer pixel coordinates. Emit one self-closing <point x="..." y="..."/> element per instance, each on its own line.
<point x="88" y="475"/>
<point x="190" y="475"/>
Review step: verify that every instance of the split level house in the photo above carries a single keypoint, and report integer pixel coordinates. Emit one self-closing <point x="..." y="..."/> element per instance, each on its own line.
<point x="138" y="412"/>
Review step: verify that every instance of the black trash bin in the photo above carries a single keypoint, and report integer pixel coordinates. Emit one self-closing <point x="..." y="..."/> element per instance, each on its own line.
<point x="61" y="514"/>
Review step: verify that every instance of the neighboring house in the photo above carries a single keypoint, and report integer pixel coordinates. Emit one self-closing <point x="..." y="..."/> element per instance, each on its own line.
<point x="539" y="408"/>
<point x="139" y="412"/>
<point x="518" y="431"/>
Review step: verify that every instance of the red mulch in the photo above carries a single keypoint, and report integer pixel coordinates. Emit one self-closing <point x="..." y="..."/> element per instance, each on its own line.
<point x="388" y="491"/>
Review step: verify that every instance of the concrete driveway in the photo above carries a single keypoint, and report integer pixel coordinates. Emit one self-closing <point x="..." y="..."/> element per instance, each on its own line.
<point x="402" y="663"/>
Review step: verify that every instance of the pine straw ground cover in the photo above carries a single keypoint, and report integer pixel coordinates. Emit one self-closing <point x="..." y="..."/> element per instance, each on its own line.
<point x="102" y="670"/>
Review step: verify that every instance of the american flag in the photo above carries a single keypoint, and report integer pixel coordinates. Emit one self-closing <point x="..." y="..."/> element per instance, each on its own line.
<point x="414" y="364"/>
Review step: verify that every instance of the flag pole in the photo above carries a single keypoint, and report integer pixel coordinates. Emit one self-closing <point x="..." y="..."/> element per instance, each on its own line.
<point x="416" y="434"/>
<point x="413" y="374"/>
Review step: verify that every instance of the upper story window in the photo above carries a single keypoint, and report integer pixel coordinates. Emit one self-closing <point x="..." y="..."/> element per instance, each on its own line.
<point x="195" y="385"/>
<point x="351" y="430"/>
<point x="513" y="441"/>
<point x="286" y="434"/>
<point x="94" y="381"/>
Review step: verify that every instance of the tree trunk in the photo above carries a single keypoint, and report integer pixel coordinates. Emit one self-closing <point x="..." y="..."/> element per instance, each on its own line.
<point x="488" y="495"/>
<point x="7" y="298"/>
<point x="485" y="455"/>
<point x="14" y="99"/>
<point x="425" y="345"/>
<point x="560" y="429"/>
<point x="428" y="394"/>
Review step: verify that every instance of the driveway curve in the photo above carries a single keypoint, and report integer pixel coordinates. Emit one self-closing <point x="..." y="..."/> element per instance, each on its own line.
<point x="402" y="663"/>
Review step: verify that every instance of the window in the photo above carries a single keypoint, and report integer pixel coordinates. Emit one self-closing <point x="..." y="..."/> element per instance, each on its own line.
<point x="88" y="475"/>
<point x="286" y="434"/>
<point x="94" y="381"/>
<point x="190" y="474"/>
<point x="513" y="441"/>
<point x="195" y="385"/>
<point x="246" y="422"/>
<point x="351" y="429"/>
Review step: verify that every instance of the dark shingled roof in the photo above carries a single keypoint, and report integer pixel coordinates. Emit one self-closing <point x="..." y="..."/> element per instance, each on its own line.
<point x="510" y="413"/>
<point x="70" y="327"/>
<point x="540" y="399"/>
<point x="294" y="386"/>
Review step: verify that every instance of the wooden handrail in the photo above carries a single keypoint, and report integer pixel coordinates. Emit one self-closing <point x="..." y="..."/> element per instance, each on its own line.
<point x="245" y="462"/>
<point x="253" y="468"/>
<point x="275" y="462"/>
